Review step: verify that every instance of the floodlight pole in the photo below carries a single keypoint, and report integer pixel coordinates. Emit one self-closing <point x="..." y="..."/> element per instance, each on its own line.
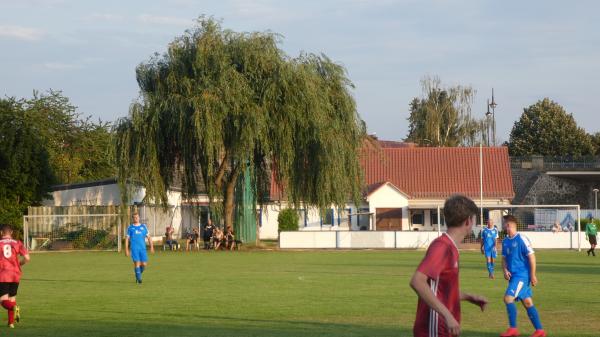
<point x="595" y="190"/>
<point x="493" y="105"/>
<point x="481" y="182"/>
<point x="439" y="223"/>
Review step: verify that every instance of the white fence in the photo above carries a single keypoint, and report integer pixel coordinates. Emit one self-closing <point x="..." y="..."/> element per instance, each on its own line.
<point x="407" y="240"/>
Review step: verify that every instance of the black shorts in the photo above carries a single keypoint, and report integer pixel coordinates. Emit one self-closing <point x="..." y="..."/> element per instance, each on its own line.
<point x="9" y="288"/>
<point x="592" y="239"/>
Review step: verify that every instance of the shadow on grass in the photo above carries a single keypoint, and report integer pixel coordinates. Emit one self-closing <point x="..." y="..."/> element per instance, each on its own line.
<point x="216" y="326"/>
<point x="100" y="281"/>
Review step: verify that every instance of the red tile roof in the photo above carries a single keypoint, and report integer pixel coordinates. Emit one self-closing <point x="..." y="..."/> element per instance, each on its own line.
<point x="438" y="172"/>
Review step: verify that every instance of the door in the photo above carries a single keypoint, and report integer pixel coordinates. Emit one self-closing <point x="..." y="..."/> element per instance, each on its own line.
<point x="388" y="219"/>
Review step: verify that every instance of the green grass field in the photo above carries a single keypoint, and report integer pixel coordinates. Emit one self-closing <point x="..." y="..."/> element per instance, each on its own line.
<point x="281" y="293"/>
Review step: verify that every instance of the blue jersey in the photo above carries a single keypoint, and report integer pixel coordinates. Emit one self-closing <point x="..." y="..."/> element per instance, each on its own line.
<point x="137" y="236"/>
<point x="489" y="237"/>
<point x="516" y="251"/>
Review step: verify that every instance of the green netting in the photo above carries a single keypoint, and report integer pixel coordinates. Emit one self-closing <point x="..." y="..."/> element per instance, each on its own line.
<point x="245" y="215"/>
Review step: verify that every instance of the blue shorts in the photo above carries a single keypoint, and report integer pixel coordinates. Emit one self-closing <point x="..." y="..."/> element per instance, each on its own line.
<point x="139" y="255"/>
<point x="519" y="288"/>
<point x="490" y="252"/>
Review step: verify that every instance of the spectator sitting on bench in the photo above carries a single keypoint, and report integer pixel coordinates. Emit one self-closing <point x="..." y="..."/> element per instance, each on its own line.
<point x="218" y="238"/>
<point x="208" y="234"/>
<point x="169" y="231"/>
<point x="229" y="239"/>
<point x="192" y="239"/>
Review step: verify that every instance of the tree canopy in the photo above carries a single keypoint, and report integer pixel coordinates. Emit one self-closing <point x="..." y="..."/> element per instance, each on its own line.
<point x="25" y="172"/>
<point x="442" y="116"/>
<point x="545" y="128"/>
<point x="220" y="102"/>
<point x="79" y="149"/>
<point x="44" y="141"/>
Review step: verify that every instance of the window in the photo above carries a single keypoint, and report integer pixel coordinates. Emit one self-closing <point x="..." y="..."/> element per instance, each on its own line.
<point x="434" y="217"/>
<point x="417" y="218"/>
<point x="328" y="220"/>
<point x="363" y="219"/>
<point x="303" y="218"/>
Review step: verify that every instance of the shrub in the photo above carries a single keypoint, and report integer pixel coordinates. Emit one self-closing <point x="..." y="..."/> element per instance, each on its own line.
<point x="287" y="220"/>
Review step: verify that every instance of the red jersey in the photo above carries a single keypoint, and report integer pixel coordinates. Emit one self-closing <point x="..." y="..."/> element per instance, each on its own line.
<point x="10" y="268"/>
<point x="440" y="264"/>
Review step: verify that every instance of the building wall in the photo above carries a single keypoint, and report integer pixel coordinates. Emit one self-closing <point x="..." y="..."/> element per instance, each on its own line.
<point x="103" y="195"/>
<point x="552" y="190"/>
<point x="388" y="197"/>
<point x="309" y="219"/>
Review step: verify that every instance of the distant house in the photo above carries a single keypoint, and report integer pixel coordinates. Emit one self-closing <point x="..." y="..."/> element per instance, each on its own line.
<point x="405" y="185"/>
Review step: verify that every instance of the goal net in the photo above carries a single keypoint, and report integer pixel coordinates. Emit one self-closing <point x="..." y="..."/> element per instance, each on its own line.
<point x="72" y="232"/>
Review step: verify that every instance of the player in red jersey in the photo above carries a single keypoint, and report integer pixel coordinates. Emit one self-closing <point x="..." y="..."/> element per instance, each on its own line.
<point x="10" y="272"/>
<point x="436" y="279"/>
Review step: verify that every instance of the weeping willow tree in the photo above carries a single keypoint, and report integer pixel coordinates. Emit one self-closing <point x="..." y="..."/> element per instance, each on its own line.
<point x="442" y="117"/>
<point x="220" y="105"/>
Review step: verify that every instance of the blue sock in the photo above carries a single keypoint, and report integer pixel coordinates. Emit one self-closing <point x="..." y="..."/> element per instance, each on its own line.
<point x="491" y="267"/>
<point x="534" y="317"/>
<point x="138" y="273"/>
<point x="142" y="268"/>
<point x="511" y="309"/>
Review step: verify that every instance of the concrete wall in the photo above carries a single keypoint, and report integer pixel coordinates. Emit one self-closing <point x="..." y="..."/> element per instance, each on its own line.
<point x="404" y="239"/>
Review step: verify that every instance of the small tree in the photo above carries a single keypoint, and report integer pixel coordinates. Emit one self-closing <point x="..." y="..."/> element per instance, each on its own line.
<point x="287" y="220"/>
<point x="546" y="129"/>
<point x="442" y="117"/>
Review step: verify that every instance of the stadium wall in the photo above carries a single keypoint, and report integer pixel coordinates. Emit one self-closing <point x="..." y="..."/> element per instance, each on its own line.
<point x="406" y="240"/>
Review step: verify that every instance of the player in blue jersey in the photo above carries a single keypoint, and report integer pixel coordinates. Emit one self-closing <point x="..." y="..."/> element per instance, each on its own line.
<point x="518" y="262"/>
<point x="488" y="246"/>
<point x="137" y="233"/>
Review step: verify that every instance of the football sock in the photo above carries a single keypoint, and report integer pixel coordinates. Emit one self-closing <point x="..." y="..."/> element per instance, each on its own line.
<point x="138" y="273"/>
<point x="534" y="317"/>
<point x="10" y="306"/>
<point x="491" y="267"/>
<point x="511" y="309"/>
<point x="142" y="268"/>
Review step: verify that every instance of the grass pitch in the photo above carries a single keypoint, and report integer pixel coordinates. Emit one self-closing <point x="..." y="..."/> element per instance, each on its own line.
<point x="282" y="293"/>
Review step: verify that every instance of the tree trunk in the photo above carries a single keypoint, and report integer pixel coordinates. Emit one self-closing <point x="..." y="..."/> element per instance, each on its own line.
<point x="229" y="198"/>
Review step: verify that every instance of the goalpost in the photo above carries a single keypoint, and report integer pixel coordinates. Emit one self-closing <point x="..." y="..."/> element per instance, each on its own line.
<point x="551" y="223"/>
<point x="72" y="232"/>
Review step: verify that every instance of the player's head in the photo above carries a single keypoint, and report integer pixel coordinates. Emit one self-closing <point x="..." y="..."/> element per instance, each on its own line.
<point x="209" y="221"/>
<point x="490" y="223"/>
<point x="460" y="211"/>
<point x="6" y="230"/>
<point x="136" y="217"/>
<point x="511" y="224"/>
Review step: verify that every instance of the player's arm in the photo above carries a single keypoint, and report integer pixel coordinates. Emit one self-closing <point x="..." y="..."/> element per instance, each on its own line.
<point x="150" y="242"/>
<point x="25" y="259"/>
<point x="532" y="269"/>
<point x="507" y="274"/>
<point x="475" y="299"/>
<point x="421" y="287"/>
<point x="482" y="239"/>
<point x="127" y="245"/>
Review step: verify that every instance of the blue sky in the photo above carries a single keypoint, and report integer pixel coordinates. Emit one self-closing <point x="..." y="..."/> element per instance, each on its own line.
<point x="526" y="50"/>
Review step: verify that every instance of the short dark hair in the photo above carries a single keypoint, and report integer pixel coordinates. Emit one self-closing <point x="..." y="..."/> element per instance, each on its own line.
<point x="457" y="209"/>
<point x="510" y="218"/>
<point x="6" y="228"/>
